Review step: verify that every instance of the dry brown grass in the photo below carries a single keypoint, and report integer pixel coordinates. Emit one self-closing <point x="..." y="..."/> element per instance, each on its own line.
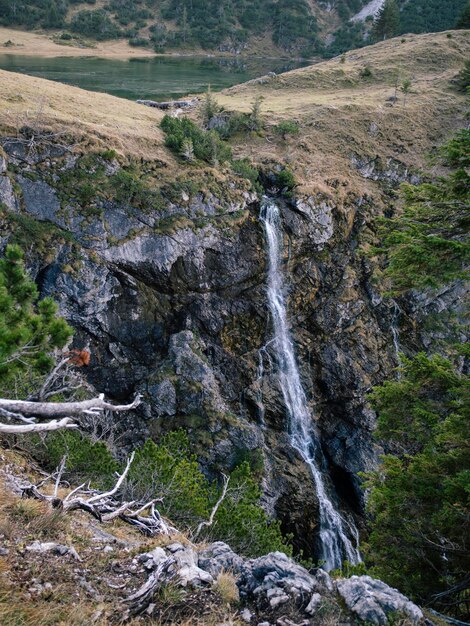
<point x="99" y="120"/>
<point x="336" y="109"/>
<point x="40" y="44"/>
<point x="334" y="106"/>
<point x="226" y="587"/>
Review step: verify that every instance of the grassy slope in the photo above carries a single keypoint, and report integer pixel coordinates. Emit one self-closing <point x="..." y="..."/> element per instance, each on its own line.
<point x="98" y="119"/>
<point x="334" y="106"/>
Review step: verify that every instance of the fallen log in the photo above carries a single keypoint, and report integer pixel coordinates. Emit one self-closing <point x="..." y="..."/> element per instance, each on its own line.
<point x="105" y="506"/>
<point x="171" y="104"/>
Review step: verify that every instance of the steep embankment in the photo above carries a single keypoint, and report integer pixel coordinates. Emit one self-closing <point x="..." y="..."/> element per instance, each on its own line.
<point x="161" y="265"/>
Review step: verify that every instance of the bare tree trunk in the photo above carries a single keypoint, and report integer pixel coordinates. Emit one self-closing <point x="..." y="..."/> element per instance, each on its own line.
<point x="66" y="422"/>
<point x="58" y="409"/>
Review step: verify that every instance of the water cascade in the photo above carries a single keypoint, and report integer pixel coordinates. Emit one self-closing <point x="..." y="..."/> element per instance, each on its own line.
<point x="334" y="544"/>
<point x="396" y="334"/>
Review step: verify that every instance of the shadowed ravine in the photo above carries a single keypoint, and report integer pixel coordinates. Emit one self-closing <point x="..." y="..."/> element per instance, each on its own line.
<point x="334" y="544"/>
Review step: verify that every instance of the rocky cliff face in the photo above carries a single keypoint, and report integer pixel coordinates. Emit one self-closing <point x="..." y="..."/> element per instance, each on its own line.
<point x="180" y="315"/>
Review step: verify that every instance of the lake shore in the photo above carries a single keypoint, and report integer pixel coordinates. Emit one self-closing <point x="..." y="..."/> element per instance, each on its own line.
<point x="46" y="45"/>
<point x="41" y="44"/>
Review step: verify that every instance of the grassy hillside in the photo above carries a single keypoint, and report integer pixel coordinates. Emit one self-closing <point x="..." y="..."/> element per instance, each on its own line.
<point x="341" y="107"/>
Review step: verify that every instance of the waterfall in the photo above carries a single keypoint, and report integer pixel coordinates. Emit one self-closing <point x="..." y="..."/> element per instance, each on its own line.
<point x="263" y="354"/>
<point x="335" y="545"/>
<point x="396" y="334"/>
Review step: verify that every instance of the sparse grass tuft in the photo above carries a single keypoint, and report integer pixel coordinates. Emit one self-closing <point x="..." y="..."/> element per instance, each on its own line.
<point x="226" y="587"/>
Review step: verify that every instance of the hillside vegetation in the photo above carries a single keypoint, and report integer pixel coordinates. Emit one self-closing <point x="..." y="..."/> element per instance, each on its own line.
<point x="266" y="27"/>
<point x="339" y="108"/>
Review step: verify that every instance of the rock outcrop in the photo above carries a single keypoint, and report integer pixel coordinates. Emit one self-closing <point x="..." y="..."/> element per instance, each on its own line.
<point x="274" y="587"/>
<point x="373" y="601"/>
<point x="171" y="302"/>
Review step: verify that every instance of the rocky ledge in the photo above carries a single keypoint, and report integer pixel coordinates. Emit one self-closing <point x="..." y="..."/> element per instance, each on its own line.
<point x="276" y="590"/>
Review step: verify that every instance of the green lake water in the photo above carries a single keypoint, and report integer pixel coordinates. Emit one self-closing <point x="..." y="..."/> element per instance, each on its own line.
<point x="157" y="78"/>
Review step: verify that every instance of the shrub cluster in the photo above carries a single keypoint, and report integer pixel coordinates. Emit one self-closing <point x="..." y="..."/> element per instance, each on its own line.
<point x="419" y="498"/>
<point x="169" y="470"/>
<point x="186" y="139"/>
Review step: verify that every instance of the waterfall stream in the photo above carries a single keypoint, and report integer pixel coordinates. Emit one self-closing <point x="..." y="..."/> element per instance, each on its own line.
<point x="396" y="334"/>
<point x="335" y="546"/>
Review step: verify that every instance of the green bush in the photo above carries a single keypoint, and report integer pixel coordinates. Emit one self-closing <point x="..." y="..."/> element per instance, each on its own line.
<point x="419" y="498"/>
<point x="242" y="523"/>
<point x="366" y="72"/>
<point x="128" y="187"/>
<point x="206" y="145"/>
<point x="287" y="127"/>
<point x="285" y="180"/>
<point x="85" y="460"/>
<point x="141" y="42"/>
<point x="169" y="470"/>
<point x="245" y="169"/>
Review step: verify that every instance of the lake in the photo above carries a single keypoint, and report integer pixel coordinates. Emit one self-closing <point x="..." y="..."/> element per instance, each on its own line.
<point x="157" y="78"/>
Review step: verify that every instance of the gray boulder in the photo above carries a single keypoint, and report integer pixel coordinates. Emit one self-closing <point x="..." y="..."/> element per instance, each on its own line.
<point x="185" y="565"/>
<point x="220" y="557"/>
<point x="274" y="580"/>
<point x="7" y="195"/>
<point x="372" y="600"/>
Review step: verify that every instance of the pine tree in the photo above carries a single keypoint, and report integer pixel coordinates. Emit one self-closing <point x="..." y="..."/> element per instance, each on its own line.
<point x="184" y="25"/>
<point x="210" y="108"/>
<point x="419" y="498"/>
<point x="387" y="22"/>
<point x="187" y="150"/>
<point x="29" y="330"/>
<point x="256" y="122"/>
<point x="464" y="19"/>
<point x="405" y="87"/>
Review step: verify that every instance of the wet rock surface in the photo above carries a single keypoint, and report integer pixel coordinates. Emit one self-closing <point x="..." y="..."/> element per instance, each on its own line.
<point x="182" y="318"/>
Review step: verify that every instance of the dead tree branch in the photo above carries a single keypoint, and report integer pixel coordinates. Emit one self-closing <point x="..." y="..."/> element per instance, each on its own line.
<point x="104" y="506"/>
<point x="210" y="521"/>
<point x="140" y="601"/>
<point x="58" y="409"/>
<point x="10" y="429"/>
<point x="28" y="412"/>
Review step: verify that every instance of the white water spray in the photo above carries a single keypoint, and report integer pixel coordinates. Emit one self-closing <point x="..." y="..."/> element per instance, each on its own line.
<point x="335" y="545"/>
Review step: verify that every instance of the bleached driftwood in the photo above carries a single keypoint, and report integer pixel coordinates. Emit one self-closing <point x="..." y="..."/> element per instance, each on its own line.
<point x="29" y="412"/>
<point x="140" y="601"/>
<point x="104" y="506"/>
